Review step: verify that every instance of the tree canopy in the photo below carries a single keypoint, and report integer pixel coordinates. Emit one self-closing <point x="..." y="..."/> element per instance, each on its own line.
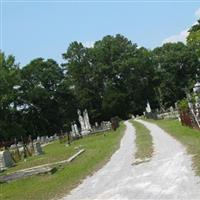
<point x="115" y="77"/>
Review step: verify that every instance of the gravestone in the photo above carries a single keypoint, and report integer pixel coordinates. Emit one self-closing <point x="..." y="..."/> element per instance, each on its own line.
<point x="47" y="138"/>
<point x="38" y="148"/>
<point x="96" y="124"/>
<point x="51" y="139"/>
<point x="38" y="138"/>
<point x="5" y="160"/>
<point x="42" y="140"/>
<point x="73" y="132"/>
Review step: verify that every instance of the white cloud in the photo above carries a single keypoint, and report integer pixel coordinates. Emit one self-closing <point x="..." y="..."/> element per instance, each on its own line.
<point x="181" y="37"/>
<point x="88" y="44"/>
<point x="197" y="13"/>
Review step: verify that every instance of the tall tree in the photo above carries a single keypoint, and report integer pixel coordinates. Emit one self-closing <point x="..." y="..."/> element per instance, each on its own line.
<point x="10" y="124"/>
<point x="176" y="66"/>
<point x="193" y="38"/>
<point x="44" y="96"/>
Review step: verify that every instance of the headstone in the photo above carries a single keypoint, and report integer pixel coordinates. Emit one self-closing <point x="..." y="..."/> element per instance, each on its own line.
<point x="73" y="133"/>
<point x="176" y="106"/>
<point x="76" y="129"/>
<point x="96" y="124"/>
<point x="50" y="138"/>
<point x="38" y="148"/>
<point x="47" y="139"/>
<point x="84" y="122"/>
<point x="38" y="138"/>
<point x="42" y="139"/>
<point x="86" y="119"/>
<point x="19" y="144"/>
<point x="81" y="121"/>
<point x="55" y="136"/>
<point x="171" y="109"/>
<point x="5" y="160"/>
<point x="148" y="107"/>
<point x="13" y="146"/>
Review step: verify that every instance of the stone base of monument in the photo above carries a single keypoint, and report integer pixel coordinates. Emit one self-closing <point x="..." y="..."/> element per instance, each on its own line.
<point x="85" y="132"/>
<point x="6" y="160"/>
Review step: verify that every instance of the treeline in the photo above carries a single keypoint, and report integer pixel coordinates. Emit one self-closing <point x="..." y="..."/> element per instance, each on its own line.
<point x="112" y="78"/>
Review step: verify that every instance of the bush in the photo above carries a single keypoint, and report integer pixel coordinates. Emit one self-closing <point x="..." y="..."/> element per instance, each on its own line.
<point x="183" y="105"/>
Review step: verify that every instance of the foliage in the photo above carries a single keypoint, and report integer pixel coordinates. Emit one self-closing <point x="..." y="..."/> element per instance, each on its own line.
<point x="183" y="105"/>
<point x="176" y="69"/>
<point x="103" y="77"/>
<point x="193" y="38"/>
<point x="112" y="78"/>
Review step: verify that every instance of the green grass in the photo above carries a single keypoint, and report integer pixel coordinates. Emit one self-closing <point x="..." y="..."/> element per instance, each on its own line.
<point x="143" y="141"/>
<point x="99" y="148"/>
<point x="187" y="136"/>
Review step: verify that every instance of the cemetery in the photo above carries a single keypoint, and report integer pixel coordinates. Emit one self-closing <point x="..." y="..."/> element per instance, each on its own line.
<point x="25" y="153"/>
<point x="98" y="148"/>
<point x="99" y="100"/>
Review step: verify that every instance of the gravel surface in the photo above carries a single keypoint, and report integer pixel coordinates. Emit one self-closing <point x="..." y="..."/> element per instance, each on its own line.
<point x="168" y="175"/>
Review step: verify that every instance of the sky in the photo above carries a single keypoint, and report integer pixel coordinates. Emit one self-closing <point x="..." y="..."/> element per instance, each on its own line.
<point x="31" y="29"/>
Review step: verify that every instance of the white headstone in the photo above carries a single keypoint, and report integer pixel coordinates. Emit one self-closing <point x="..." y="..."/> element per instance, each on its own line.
<point x="148" y="108"/>
<point x="76" y="130"/>
<point x="5" y="159"/>
<point x="73" y="133"/>
<point x="81" y="121"/>
<point x="38" y="148"/>
<point x="86" y="119"/>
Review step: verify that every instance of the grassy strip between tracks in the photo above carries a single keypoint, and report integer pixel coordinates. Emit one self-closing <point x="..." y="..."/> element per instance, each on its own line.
<point x="99" y="148"/>
<point x="143" y="142"/>
<point x="187" y="136"/>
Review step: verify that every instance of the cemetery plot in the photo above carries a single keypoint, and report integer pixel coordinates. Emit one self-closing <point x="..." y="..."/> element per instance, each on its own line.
<point x="53" y="152"/>
<point x="98" y="149"/>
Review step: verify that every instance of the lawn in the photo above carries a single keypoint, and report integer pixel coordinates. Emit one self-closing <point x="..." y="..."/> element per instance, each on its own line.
<point x="143" y="141"/>
<point x="187" y="136"/>
<point x="99" y="147"/>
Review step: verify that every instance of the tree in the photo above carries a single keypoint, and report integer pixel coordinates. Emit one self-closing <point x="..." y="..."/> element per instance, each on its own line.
<point x="176" y="65"/>
<point x="193" y="39"/>
<point x="111" y="78"/>
<point x="10" y="123"/>
<point x="44" y="98"/>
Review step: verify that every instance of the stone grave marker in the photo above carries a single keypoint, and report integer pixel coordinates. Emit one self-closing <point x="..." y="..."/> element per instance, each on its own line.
<point x="38" y="149"/>
<point x="5" y="160"/>
<point x="42" y="139"/>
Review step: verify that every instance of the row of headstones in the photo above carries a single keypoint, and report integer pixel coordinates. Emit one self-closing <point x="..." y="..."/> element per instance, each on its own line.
<point x="104" y="125"/>
<point x="40" y="139"/>
<point x="170" y="113"/>
<point x="6" y="159"/>
<point x="46" y="139"/>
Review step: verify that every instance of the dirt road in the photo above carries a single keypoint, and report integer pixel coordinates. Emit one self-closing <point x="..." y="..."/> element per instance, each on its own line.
<point x="168" y="175"/>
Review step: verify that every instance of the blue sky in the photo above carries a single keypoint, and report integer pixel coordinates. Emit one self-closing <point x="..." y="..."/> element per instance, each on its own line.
<point x="31" y="29"/>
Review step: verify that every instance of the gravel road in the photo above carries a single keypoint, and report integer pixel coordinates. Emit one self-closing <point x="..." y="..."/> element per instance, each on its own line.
<point x="168" y="175"/>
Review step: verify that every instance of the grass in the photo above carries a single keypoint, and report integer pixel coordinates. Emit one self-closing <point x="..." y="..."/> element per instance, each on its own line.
<point x="143" y="141"/>
<point x="99" y="147"/>
<point x="187" y="136"/>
